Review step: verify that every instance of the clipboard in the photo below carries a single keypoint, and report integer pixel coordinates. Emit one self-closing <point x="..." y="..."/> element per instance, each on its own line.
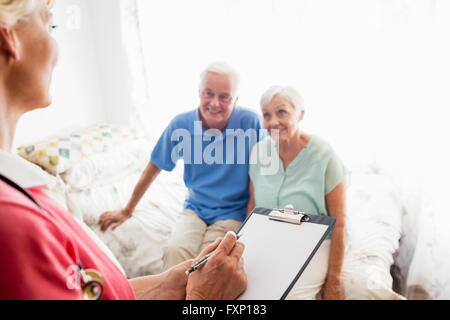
<point x="279" y="245"/>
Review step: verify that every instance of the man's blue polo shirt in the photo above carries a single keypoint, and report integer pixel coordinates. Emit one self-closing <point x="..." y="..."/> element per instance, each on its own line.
<point x="216" y="164"/>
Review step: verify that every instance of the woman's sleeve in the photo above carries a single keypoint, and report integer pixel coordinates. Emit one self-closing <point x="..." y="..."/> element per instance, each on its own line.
<point x="335" y="173"/>
<point x="253" y="163"/>
<point x="35" y="262"/>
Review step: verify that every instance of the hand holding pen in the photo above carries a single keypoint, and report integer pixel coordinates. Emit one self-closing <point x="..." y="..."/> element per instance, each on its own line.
<point x="221" y="275"/>
<point x="203" y="260"/>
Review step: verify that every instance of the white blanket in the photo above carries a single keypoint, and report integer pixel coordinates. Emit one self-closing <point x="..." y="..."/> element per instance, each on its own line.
<point x="101" y="183"/>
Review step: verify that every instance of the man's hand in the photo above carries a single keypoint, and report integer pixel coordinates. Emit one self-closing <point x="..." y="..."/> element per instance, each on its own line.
<point x="114" y="219"/>
<point x="223" y="276"/>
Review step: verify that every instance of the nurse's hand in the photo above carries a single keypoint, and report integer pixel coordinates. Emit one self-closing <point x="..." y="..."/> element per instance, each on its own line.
<point x="170" y="285"/>
<point x="175" y="281"/>
<point x="223" y="276"/>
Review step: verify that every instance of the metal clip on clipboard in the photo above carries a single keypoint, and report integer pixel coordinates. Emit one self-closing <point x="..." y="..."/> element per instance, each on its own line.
<point x="289" y="215"/>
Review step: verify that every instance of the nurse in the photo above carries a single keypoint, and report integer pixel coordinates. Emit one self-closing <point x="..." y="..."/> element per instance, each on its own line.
<point x="45" y="254"/>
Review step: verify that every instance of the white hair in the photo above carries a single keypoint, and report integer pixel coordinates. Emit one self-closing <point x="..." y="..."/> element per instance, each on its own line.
<point x="11" y="11"/>
<point x="289" y="93"/>
<point x="223" y="69"/>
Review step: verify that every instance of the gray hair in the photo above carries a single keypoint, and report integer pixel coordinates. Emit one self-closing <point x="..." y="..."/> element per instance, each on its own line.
<point x="11" y="11"/>
<point x="289" y="93"/>
<point x="223" y="69"/>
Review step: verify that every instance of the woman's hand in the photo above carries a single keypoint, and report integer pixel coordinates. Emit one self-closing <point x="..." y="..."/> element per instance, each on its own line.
<point x="114" y="219"/>
<point x="223" y="276"/>
<point x="333" y="289"/>
<point x="336" y="204"/>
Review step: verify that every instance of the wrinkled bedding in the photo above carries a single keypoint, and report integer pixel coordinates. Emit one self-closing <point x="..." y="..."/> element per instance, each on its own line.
<point x="99" y="184"/>
<point x="105" y="182"/>
<point x="374" y="222"/>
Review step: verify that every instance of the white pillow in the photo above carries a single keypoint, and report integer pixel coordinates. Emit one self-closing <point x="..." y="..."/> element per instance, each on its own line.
<point x="123" y="159"/>
<point x="59" y="153"/>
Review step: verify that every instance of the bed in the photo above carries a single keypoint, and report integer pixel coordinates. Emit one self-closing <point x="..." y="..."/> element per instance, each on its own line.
<point x="101" y="176"/>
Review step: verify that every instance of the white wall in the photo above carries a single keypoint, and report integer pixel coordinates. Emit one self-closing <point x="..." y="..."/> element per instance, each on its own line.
<point x="105" y="17"/>
<point x="375" y="74"/>
<point x="87" y="82"/>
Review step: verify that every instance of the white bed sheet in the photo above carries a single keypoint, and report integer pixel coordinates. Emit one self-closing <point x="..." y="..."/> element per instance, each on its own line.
<point x="374" y="220"/>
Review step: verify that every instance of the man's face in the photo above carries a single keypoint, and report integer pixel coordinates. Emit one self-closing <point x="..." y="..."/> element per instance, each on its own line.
<point x="216" y="101"/>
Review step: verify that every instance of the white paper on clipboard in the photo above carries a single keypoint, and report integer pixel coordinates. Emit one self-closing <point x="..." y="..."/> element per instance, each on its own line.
<point x="275" y="252"/>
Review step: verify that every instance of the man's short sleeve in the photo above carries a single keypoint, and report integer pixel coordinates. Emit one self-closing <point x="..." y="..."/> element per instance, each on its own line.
<point x="335" y="173"/>
<point x="164" y="155"/>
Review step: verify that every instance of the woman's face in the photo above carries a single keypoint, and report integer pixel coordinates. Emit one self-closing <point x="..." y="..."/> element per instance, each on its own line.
<point x="31" y="72"/>
<point x="281" y="119"/>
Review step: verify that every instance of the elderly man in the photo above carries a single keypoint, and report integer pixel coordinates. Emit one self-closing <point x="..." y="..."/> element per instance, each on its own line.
<point x="216" y="140"/>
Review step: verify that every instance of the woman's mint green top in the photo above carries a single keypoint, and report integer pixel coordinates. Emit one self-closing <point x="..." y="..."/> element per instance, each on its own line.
<point x="313" y="174"/>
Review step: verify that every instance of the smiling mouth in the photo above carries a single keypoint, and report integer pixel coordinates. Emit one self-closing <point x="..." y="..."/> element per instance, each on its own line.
<point x="278" y="129"/>
<point x="213" y="111"/>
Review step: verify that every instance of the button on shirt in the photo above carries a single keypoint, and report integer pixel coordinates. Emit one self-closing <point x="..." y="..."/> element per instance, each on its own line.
<point x="40" y="249"/>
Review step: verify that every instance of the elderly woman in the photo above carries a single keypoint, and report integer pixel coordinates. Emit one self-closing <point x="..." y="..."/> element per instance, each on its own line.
<point x="293" y="168"/>
<point x="44" y="253"/>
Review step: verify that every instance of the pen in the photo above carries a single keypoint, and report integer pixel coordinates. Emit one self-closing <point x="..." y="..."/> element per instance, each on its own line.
<point x="203" y="260"/>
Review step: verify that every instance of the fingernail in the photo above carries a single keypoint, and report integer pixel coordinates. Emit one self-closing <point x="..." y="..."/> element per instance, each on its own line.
<point x="232" y="233"/>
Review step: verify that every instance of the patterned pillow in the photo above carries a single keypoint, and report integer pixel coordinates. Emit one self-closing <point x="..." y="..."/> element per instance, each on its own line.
<point x="58" y="154"/>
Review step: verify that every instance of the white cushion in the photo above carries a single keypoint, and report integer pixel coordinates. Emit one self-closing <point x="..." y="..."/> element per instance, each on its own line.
<point x="59" y="153"/>
<point x="125" y="158"/>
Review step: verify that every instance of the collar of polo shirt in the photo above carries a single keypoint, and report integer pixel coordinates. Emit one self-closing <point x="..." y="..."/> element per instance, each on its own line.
<point x="23" y="172"/>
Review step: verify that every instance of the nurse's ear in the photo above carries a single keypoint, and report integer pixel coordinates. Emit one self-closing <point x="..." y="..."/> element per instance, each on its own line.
<point x="9" y="44"/>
